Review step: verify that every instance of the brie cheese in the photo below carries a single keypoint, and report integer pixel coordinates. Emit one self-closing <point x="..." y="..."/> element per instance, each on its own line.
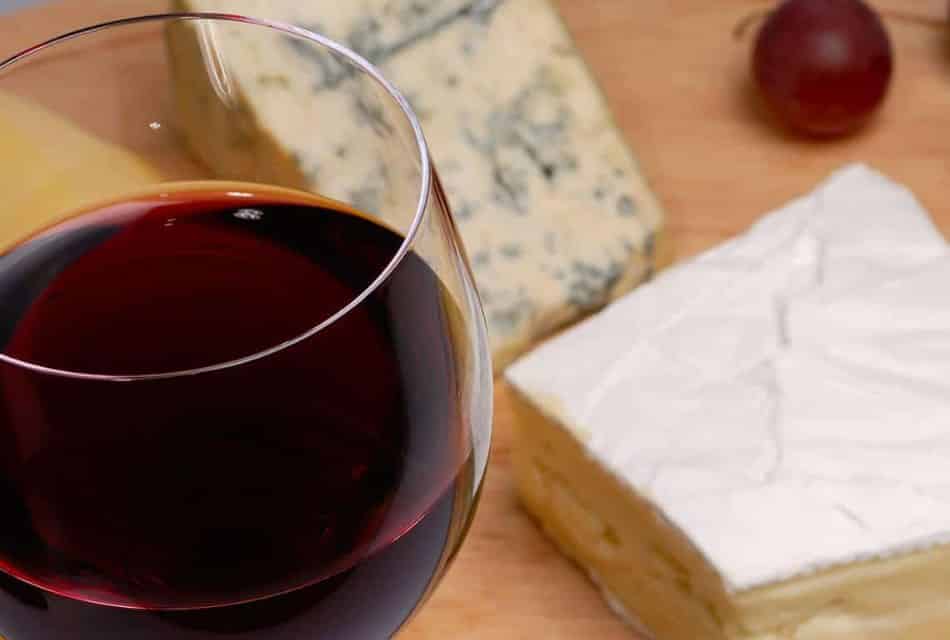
<point x="760" y="437"/>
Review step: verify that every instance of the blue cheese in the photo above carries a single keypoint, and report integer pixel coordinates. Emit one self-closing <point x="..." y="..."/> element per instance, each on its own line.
<point x="554" y="211"/>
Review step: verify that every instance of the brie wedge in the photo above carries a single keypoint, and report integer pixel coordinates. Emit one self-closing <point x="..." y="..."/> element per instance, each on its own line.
<point x="757" y="443"/>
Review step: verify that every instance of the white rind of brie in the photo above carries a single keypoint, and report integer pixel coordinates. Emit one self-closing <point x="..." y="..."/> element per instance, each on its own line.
<point x="784" y="399"/>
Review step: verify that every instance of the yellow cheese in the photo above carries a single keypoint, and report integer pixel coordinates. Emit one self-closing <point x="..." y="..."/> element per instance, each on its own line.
<point x="52" y="168"/>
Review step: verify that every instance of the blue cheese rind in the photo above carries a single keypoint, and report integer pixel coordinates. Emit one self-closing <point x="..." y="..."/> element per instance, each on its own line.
<point x="553" y="208"/>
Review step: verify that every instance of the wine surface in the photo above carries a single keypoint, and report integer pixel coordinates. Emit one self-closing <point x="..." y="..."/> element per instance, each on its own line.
<point x="280" y="492"/>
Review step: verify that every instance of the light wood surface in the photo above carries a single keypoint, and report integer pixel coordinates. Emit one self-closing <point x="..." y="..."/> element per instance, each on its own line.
<point x="677" y="80"/>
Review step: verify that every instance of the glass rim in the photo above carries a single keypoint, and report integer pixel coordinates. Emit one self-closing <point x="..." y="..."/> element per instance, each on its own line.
<point x="354" y="58"/>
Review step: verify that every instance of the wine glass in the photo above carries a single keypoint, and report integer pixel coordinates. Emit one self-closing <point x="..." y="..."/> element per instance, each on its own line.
<point x="244" y="382"/>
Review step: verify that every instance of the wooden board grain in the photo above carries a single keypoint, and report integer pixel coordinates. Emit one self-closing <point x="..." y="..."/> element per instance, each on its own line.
<point x="677" y="80"/>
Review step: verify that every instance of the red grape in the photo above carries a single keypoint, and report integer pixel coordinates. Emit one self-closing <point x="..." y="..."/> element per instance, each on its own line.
<point x="823" y="66"/>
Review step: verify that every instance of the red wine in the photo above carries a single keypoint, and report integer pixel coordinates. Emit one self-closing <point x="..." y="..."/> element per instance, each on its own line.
<point x="314" y="492"/>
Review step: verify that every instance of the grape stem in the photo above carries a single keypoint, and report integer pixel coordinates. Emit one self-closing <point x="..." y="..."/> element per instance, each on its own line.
<point x="903" y="16"/>
<point x="755" y="18"/>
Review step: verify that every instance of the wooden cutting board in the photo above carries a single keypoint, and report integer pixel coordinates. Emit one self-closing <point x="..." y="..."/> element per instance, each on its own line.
<point x="677" y="79"/>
